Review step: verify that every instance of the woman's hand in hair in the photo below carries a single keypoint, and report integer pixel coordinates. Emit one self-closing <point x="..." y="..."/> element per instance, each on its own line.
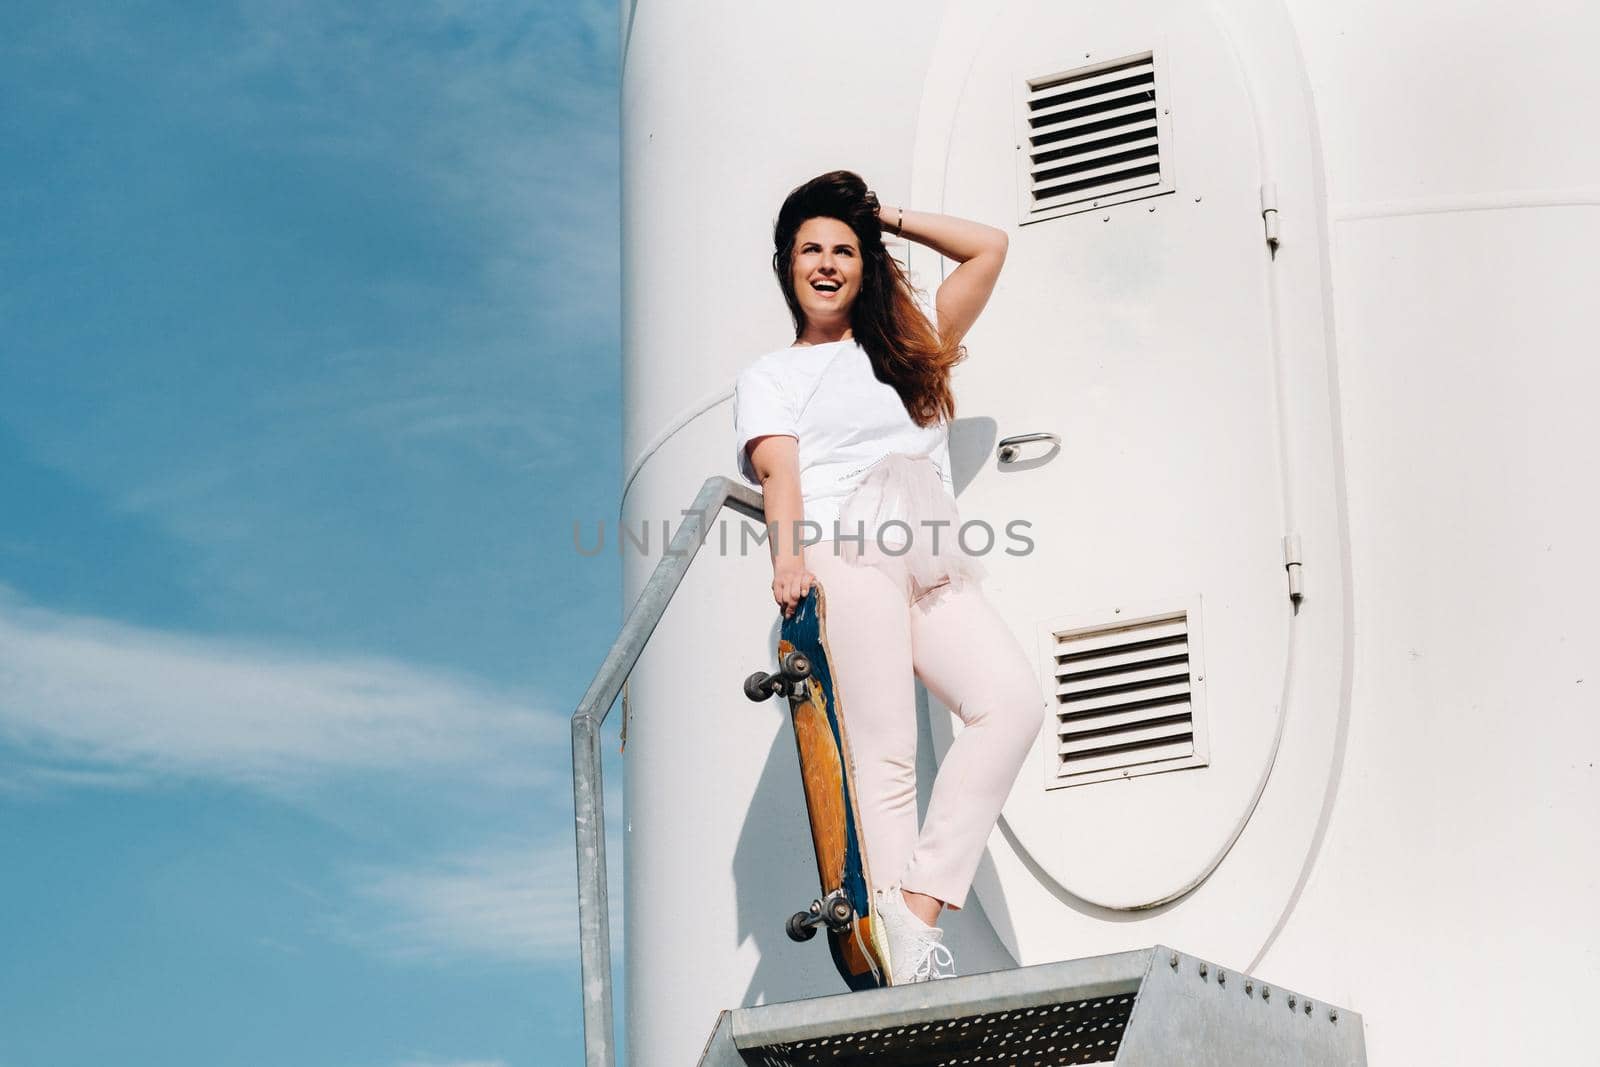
<point x="979" y="251"/>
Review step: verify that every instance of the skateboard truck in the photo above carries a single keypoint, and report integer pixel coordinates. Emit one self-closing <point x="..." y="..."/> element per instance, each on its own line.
<point x="790" y="680"/>
<point x="834" y="911"/>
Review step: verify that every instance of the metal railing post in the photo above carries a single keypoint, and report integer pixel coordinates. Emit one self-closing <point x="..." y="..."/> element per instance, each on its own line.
<point x="588" y="800"/>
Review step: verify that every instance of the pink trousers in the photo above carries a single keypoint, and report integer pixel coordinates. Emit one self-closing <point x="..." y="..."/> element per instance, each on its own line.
<point x="960" y="648"/>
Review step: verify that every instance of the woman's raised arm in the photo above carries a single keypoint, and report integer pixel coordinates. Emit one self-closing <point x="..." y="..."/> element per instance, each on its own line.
<point x="980" y="250"/>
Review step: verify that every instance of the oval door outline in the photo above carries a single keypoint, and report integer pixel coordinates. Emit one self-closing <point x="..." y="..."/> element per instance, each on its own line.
<point x="1185" y="881"/>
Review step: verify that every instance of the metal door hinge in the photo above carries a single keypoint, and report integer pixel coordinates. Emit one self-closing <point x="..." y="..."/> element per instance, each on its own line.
<point x="1291" y="564"/>
<point x="1269" y="213"/>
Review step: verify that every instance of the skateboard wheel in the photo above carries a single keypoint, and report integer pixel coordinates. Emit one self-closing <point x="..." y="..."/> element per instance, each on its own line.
<point x="758" y="686"/>
<point x="796" y="665"/>
<point x="799" y="927"/>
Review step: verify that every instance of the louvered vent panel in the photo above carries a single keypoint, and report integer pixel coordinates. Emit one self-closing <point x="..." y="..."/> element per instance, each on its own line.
<point x="1124" y="695"/>
<point x="1093" y="136"/>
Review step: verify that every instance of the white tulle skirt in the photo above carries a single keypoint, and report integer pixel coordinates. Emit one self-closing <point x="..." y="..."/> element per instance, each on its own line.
<point x="907" y="519"/>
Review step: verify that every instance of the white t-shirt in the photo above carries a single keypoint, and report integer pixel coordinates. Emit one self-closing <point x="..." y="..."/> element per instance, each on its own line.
<point x="844" y="418"/>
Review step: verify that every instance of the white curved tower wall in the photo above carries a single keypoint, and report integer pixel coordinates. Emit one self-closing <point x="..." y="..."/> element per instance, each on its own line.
<point x="1452" y="895"/>
<point x="1407" y="762"/>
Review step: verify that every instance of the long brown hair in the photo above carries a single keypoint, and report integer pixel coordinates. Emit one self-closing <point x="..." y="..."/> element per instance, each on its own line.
<point x="903" y="346"/>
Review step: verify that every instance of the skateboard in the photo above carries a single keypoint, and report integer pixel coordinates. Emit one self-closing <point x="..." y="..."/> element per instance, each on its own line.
<point x="844" y="907"/>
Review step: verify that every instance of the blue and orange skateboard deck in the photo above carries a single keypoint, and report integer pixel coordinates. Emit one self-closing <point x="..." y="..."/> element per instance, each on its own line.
<point x="815" y="708"/>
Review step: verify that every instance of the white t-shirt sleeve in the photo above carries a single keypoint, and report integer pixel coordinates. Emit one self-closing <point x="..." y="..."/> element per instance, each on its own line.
<point x="762" y="406"/>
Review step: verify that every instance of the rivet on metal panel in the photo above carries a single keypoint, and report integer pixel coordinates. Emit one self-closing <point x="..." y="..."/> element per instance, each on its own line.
<point x="1197" y="199"/>
<point x="1202" y="969"/>
<point x="1249" y="987"/>
<point x="1266" y="992"/>
<point x="1333" y="1015"/>
<point x="1308" y="1007"/>
<point x="1222" y="977"/>
<point x="1174" y="961"/>
<point x="1106" y="219"/>
<point x="1291" y="1002"/>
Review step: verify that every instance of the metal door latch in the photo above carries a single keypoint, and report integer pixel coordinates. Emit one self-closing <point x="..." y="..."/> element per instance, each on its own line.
<point x="1008" y="447"/>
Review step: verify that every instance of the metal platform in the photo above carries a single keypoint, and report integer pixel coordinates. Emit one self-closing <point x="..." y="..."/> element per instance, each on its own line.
<point x="1149" y="1007"/>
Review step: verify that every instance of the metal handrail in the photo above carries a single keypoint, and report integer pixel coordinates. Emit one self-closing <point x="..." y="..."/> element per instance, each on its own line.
<point x="594" y="927"/>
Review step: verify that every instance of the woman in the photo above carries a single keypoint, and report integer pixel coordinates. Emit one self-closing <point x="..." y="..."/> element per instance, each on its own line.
<point x="847" y="429"/>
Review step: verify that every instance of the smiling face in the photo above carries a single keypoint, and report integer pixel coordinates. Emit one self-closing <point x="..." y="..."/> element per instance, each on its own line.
<point x="827" y="270"/>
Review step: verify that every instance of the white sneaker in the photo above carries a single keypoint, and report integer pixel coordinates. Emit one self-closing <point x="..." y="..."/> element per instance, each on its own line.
<point x="914" y="951"/>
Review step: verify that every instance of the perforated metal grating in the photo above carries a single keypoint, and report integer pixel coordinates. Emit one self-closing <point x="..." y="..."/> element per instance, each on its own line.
<point x="1080" y="1032"/>
<point x="1152" y="1007"/>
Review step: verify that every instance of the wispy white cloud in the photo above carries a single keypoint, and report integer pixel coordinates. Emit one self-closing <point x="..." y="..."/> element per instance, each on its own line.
<point x="502" y="114"/>
<point x="500" y="120"/>
<point x="32" y="778"/>
<point x="503" y="902"/>
<point x="87" y="703"/>
<point x="107" y="704"/>
<point x="514" y="900"/>
<point x="509" y="113"/>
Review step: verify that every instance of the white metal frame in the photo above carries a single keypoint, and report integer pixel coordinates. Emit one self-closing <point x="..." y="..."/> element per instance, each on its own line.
<point x="1127" y="615"/>
<point x="1023" y="84"/>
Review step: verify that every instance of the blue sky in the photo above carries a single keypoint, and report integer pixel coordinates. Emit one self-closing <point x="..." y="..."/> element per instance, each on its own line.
<point x="308" y="362"/>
